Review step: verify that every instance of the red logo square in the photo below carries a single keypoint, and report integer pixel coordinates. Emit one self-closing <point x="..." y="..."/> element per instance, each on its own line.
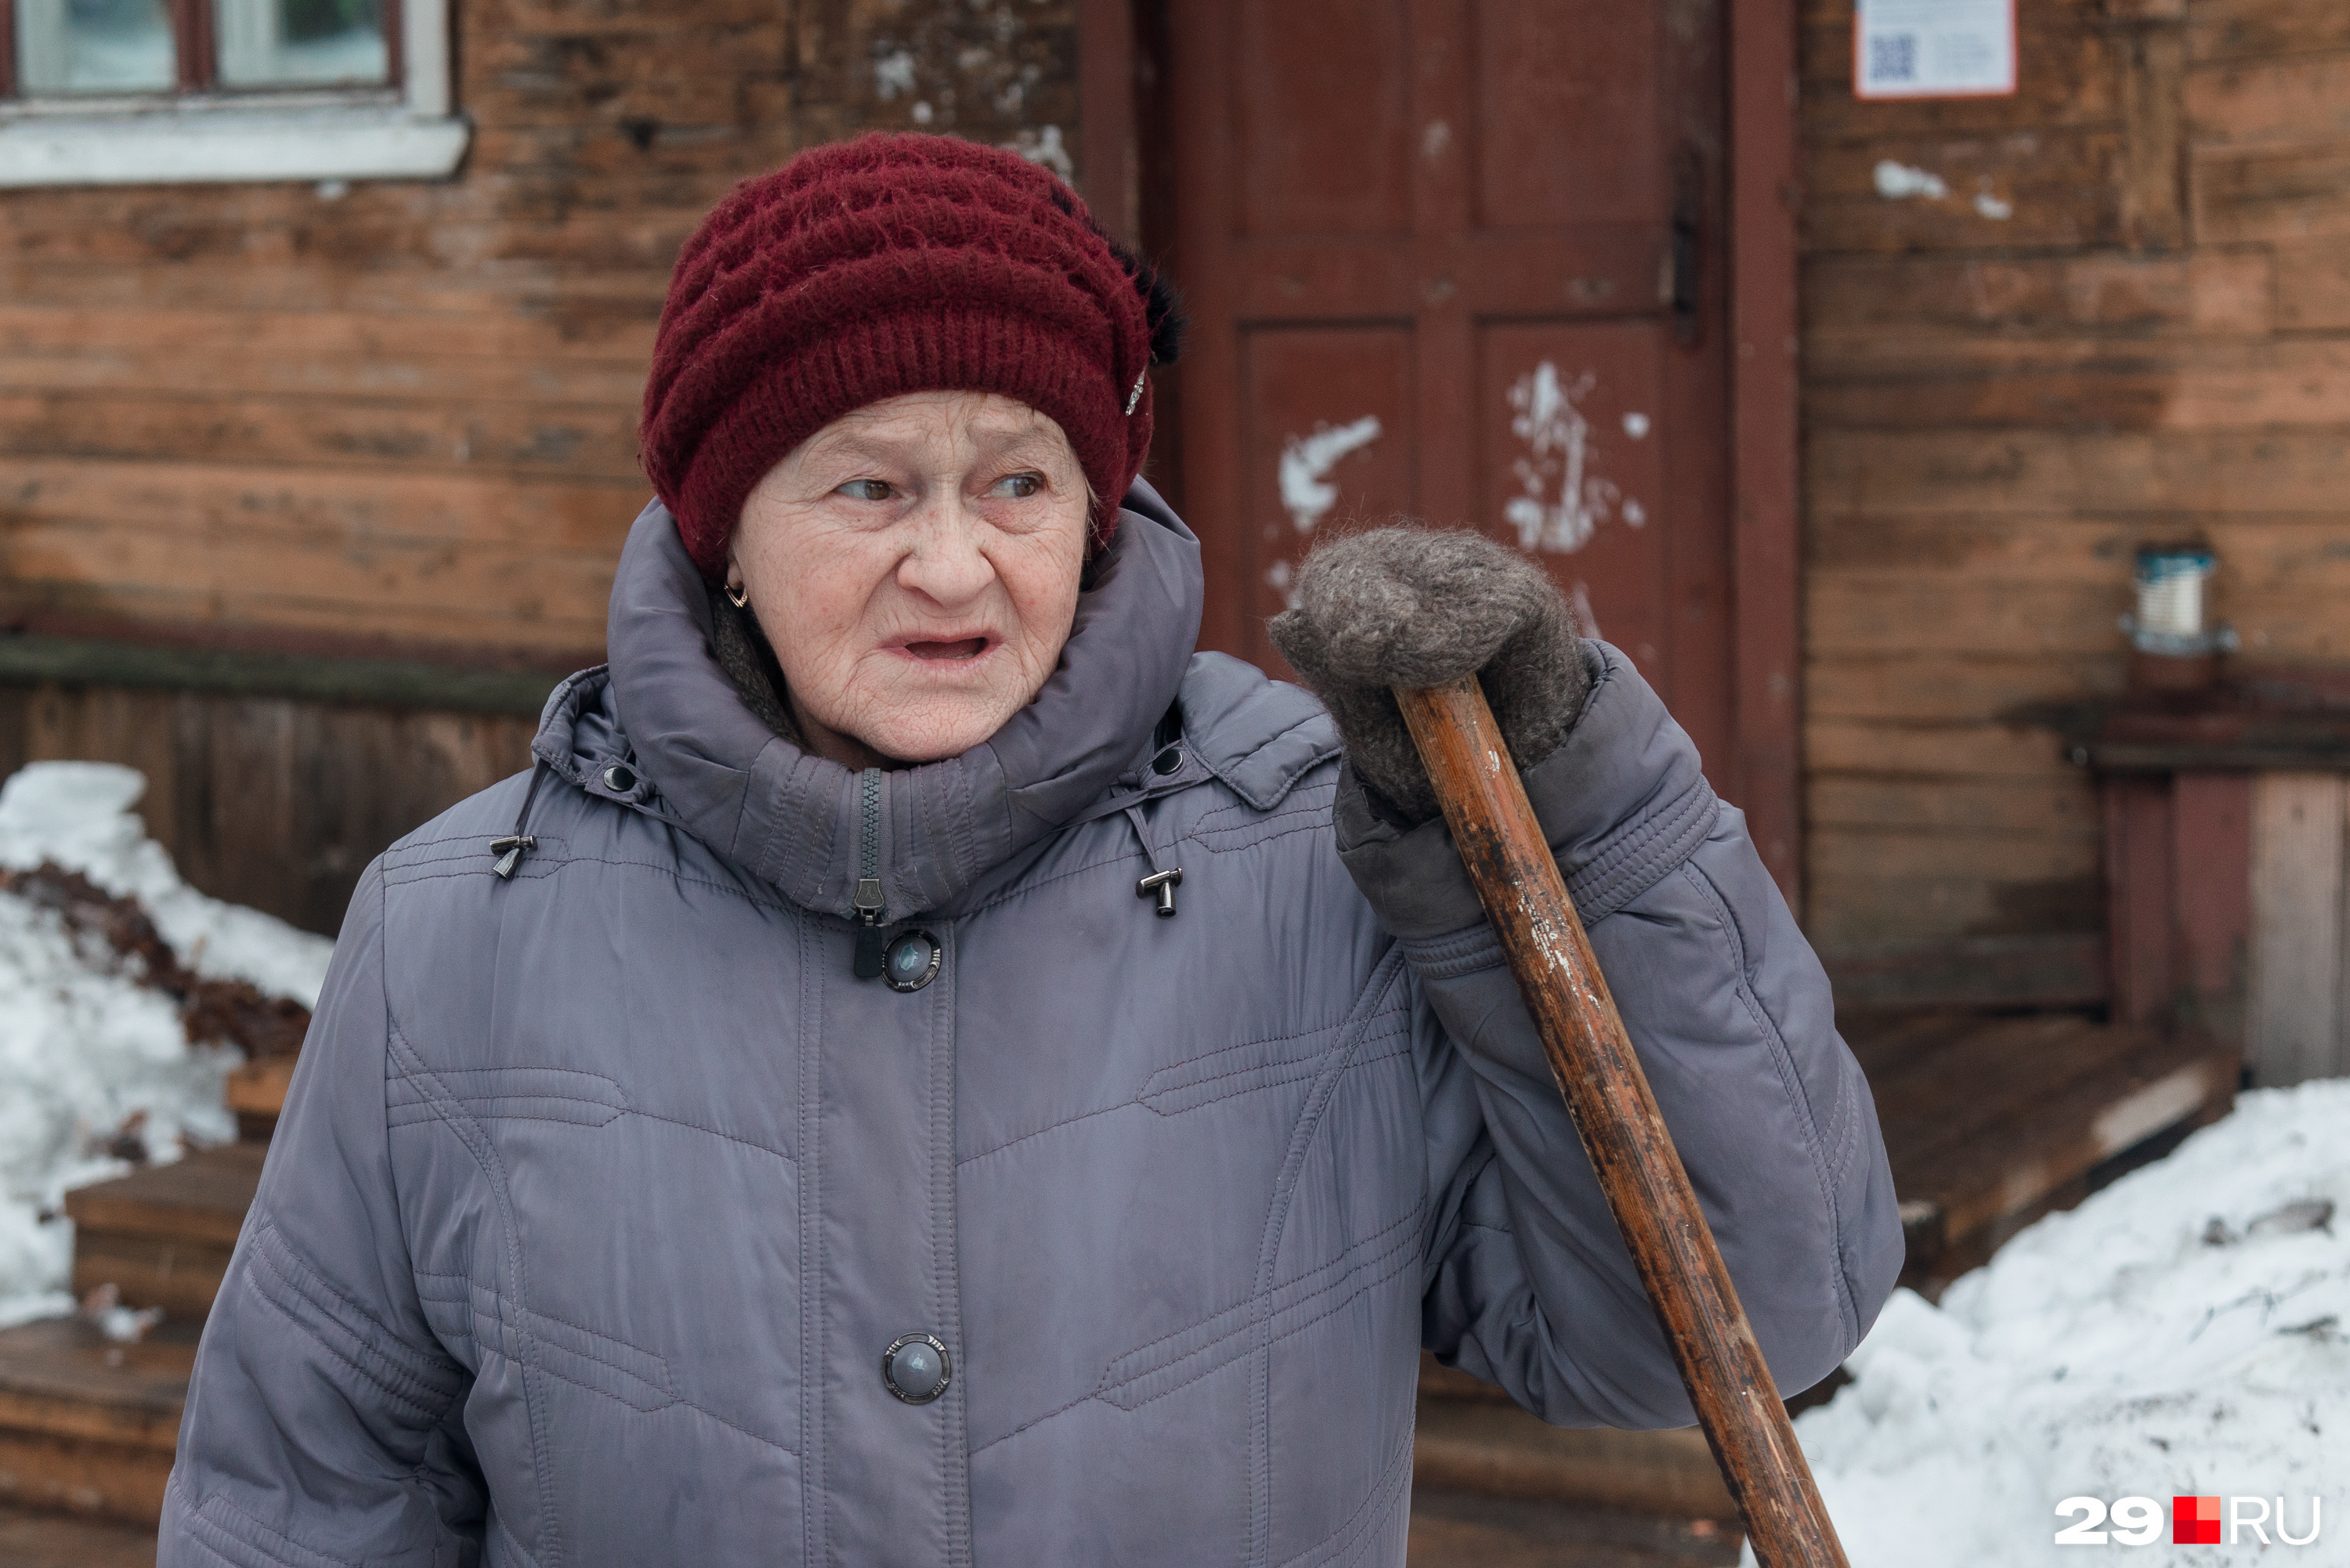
<point x="2195" y="1521"/>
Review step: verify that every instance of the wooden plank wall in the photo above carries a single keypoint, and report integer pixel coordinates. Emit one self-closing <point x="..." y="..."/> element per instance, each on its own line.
<point x="2128" y="320"/>
<point x="403" y="413"/>
<point x="272" y="802"/>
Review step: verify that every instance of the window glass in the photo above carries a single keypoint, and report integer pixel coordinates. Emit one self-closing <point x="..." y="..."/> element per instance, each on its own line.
<point x="94" y="45"/>
<point x="302" y="43"/>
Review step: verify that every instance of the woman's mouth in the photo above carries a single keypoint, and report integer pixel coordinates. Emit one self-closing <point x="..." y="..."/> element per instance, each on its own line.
<point x="959" y="648"/>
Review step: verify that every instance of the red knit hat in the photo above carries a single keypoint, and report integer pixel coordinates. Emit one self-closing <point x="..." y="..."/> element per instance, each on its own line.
<point x="896" y="263"/>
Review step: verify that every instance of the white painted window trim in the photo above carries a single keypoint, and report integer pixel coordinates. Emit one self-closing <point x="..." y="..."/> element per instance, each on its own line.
<point x="366" y="135"/>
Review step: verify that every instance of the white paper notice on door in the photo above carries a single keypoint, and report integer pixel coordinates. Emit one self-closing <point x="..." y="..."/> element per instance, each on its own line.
<point x="1933" y="49"/>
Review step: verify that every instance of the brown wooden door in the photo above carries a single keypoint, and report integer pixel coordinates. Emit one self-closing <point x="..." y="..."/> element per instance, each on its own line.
<point x="1459" y="260"/>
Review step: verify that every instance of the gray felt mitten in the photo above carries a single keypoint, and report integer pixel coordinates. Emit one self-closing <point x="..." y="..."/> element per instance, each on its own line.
<point x="1418" y="607"/>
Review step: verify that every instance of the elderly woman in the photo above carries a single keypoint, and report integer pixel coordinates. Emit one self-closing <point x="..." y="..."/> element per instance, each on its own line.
<point x="927" y="1068"/>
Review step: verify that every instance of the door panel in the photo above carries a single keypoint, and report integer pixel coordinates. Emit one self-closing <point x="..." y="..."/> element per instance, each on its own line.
<point x="1574" y="469"/>
<point x="1328" y="418"/>
<point x="1319" y="87"/>
<point x="1413" y="212"/>
<point x="1565" y="114"/>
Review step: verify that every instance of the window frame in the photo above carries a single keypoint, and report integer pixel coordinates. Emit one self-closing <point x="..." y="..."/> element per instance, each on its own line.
<point x="200" y="131"/>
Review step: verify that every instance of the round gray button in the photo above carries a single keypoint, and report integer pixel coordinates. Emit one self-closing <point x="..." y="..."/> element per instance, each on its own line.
<point x="913" y="962"/>
<point x="916" y="1369"/>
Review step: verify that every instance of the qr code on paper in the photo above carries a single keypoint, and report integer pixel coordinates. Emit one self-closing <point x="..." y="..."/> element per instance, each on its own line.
<point x="1893" y="58"/>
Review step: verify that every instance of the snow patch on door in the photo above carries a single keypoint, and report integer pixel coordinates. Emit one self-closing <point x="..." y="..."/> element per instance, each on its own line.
<point x="1560" y="462"/>
<point x="1305" y="461"/>
<point x="1898" y="181"/>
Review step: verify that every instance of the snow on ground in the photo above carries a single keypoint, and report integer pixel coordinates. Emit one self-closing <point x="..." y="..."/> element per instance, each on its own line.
<point x="82" y="1050"/>
<point x="2186" y="1332"/>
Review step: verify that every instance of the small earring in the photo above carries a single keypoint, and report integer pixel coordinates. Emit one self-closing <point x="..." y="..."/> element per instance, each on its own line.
<point x="738" y="595"/>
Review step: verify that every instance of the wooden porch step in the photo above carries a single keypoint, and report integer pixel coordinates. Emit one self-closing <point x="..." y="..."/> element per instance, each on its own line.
<point x="1472" y="1440"/>
<point x="35" y="1538"/>
<point x="1459" y="1529"/>
<point x="257" y="1094"/>
<point x="1990" y="1122"/>
<point x="163" y="1235"/>
<point x="88" y="1425"/>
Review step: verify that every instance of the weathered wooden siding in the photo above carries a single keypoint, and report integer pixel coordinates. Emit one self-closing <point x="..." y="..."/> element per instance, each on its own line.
<point x="2129" y="320"/>
<point x="273" y="802"/>
<point x="404" y="413"/>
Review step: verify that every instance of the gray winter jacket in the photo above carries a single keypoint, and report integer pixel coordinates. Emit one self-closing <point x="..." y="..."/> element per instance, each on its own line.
<point x="603" y="1190"/>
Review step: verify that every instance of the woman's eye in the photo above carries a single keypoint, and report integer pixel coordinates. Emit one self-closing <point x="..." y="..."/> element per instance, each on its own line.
<point x="867" y="490"/>
<point x="1018" y="487"/>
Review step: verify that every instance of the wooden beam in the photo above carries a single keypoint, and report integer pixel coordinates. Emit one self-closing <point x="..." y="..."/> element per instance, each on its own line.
<point x="1764" y="403"/>
<point x="364" y="683"/>
<point x="2210" y="868"/>
<point x="1110" y="169"/>
<point x="194" y="45"/>
<point x="2062" y="969"/>
<point x="2139" y="918"/>
<point x="2298" y="937"/>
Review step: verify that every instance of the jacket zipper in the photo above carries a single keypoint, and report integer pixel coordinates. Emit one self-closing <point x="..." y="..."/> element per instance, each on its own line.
<point x="867" y="902"/>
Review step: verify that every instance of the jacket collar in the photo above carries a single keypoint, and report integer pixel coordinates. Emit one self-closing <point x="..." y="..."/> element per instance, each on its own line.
<point x="666" y="708"/>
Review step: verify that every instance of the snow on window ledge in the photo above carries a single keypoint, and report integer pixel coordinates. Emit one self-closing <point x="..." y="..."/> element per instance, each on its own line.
<point x="168" y="146"/>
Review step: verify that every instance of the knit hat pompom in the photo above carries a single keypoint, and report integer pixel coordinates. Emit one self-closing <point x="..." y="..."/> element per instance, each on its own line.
<point x="896" y="263"/>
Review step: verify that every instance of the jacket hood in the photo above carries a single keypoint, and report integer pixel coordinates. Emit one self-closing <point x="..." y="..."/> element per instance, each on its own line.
<point x="697" y="757"/>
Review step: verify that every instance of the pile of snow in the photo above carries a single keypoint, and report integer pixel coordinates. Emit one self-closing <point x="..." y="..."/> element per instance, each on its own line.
<point x="2185" y="1332"/>
<point x="83" y="1051"/>
<point x="78" y="815"/>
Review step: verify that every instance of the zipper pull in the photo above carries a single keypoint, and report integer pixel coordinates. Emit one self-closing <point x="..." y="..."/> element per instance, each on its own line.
<point x="867" y="901"/>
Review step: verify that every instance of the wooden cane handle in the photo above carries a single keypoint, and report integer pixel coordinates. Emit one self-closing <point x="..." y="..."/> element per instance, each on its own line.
<point x="1518" y="881"/>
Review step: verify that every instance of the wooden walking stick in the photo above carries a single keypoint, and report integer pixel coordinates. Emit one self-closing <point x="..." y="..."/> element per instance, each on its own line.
<point x="1607" y="1095"/>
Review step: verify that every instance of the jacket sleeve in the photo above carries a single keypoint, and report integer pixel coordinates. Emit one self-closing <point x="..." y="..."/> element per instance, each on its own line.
<point x="1529" y="1285"/>
<point x="323" y="1419"/>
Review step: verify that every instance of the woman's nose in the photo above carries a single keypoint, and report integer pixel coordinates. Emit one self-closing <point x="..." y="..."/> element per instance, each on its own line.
<point x="946" y="564"/>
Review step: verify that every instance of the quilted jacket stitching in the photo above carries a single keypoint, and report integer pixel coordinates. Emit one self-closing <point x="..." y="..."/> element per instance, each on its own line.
<point x="1399" y="1237"/>
<point x="271" y="1245"/>
<point x="405" y="1115"/>
<point x="1100" y="1395"/>
<point x="1025" y="888"/>
<point x="1247" y="816"/>
<point x="1645" y="854"/>
<point x="552" y="864"/>
<point x="256" y="1527"/>
<point x="485" y="1154"/>
<point x="509" y="1317"/>
<point x="1257" y="840"/>
<point x="404" y="1384"/>
<point x="1360" y="1526"/>
<point x="1373" y="1000"/>
<point x="1400" y="1259"/>
<point x="1306" y="1034"/>
<point x="1144" y="1097"/>
<point x="1282" y="789"/>
<point x="1398" y="1032"/>
<point x="1791" y="1082"/>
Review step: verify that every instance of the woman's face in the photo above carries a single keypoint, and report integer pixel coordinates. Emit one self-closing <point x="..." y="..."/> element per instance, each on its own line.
<point x="915" y="566"/>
